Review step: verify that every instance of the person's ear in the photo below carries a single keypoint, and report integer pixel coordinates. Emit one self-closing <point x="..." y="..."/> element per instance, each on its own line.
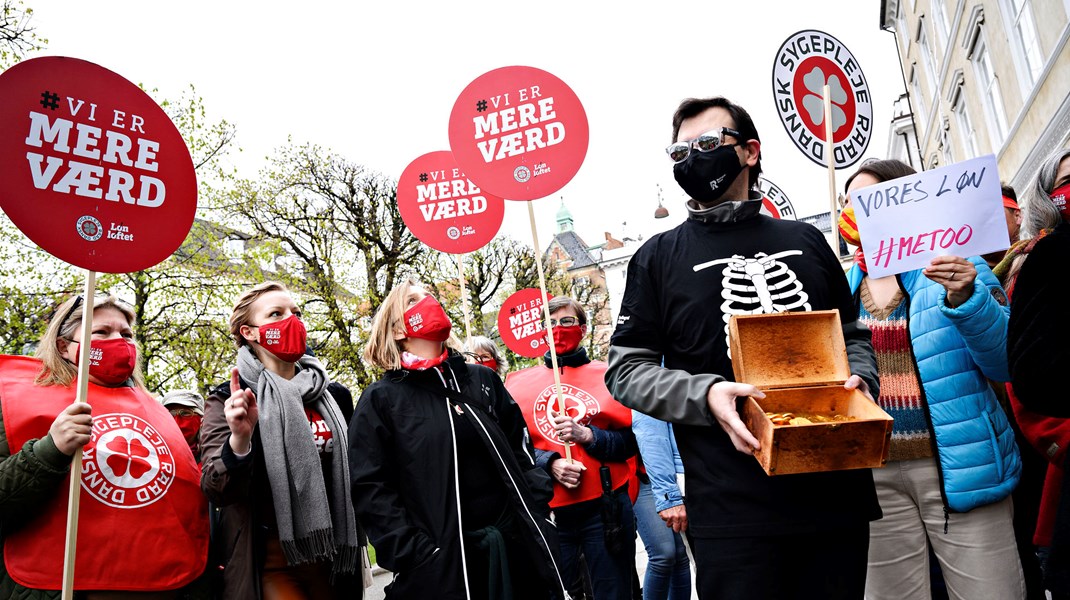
<point x="751" y="150"/>
<point x="399" y="334"/>
<point x="246" y="332"/>
<point x="583" y="330"/>
<point x="62" y="344"/>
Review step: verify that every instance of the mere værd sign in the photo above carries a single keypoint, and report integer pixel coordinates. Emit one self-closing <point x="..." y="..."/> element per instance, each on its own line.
<point x="519" y="132"/>
<point x="443" y="208"/>
<point x="806" y="62"/>
<point x="93" y="170"/>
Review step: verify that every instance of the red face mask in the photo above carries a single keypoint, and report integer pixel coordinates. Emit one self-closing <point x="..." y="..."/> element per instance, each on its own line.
<point x="190" y="426"/>
<point x="427" y="321"/>
<point x="567" y="339"/>
<point x="286" y="339"/>
<point x="1059" y="197"/>
<point x="490" y="364"/>
<point x="111" y="361"/>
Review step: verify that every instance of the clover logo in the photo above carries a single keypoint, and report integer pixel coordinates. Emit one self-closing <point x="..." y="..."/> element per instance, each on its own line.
<point x="813" y="101"/>
<point x="128" y="456"/>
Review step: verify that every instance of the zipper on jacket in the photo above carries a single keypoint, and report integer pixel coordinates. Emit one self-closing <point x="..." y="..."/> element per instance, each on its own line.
<point x="520" y="496"/>
<point x="925" y="409"/>
<point x="456" y="484"/>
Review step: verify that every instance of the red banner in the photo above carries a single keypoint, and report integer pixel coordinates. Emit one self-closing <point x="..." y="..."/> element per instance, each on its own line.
<point x="519" y="132"/>
<point x="93" y="170"/>
<point x="521" y="325"/>
<point x="444" y="209"/>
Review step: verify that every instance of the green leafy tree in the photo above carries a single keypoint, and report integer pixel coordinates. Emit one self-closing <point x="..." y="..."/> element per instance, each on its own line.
<point x="18" y="37"/>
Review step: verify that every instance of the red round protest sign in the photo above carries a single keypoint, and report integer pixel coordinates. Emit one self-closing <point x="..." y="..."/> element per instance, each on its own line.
<point x="775" y="202"/>
<point x="520" y="323"/>
<point x="93" y="170"/>
<point x="443" y="208"/>
<point x="519" y="132"/>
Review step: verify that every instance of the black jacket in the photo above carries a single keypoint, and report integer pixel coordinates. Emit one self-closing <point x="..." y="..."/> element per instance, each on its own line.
<point x="402" y="450"/>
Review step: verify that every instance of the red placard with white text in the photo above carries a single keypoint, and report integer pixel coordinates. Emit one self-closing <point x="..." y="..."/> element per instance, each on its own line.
<point x="93" y="170"/>
<point x="519" y="132"/>
<point x="443" y="208"/>
<point x="520" y="323"/>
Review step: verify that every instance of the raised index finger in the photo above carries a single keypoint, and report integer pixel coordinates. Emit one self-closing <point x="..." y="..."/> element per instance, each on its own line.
<point x="235" y="383"/>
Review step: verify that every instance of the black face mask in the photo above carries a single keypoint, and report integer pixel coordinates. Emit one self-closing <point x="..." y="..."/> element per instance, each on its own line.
<point x="705" y="176"/>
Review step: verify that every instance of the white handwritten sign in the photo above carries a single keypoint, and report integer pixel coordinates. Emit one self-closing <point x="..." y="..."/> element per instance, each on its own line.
<point x="955" y="210"/>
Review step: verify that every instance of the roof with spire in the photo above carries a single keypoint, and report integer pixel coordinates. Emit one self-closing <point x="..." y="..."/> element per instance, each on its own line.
<point x="569" y="241"/>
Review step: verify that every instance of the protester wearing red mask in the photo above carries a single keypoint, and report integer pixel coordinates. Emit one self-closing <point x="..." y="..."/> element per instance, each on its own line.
<point x="273" y="444"/>
<point x="1038" y="353"/>
<point x="482" y="350"/>
<point x="139" y="481"/>
<point x="443" y="478"/>
<point x="593" y="493"/>
<point x="188" y="410"/>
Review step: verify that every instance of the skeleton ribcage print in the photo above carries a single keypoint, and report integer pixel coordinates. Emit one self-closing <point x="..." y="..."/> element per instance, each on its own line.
<point x="759" y="285"/>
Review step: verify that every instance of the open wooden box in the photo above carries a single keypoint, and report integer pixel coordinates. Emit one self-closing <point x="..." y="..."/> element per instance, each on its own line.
<point x="800" y="361"/>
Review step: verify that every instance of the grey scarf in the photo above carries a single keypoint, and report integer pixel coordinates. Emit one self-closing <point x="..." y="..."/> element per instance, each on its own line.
<point x="314" y="523"/>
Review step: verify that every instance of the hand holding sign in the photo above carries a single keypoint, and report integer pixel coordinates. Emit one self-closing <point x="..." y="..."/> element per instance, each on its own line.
<point x="956" y="274"/>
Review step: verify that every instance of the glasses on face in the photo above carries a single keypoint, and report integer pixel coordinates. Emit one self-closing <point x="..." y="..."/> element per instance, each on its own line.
<point x="565" y="322"/>
<point x="707" y="142"/>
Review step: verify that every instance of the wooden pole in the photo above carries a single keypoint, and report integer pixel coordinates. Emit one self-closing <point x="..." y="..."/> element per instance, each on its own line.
<point x="829" y="147"/>
<point x="464" y="303"/>
<point x="75" y="491"/>
<point x="549" y="328"/>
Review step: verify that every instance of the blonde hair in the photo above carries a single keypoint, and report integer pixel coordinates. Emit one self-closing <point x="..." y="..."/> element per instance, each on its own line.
<point x="243" y="308"/>
<point x="55" y="368"/>
<point x="383" y="351"/>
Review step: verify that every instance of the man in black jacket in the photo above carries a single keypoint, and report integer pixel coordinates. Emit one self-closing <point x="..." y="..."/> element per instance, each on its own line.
<point x="754" y="536"/>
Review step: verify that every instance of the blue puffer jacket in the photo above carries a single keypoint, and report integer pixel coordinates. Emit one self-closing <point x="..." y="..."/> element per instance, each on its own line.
<point x="955" y="350"/>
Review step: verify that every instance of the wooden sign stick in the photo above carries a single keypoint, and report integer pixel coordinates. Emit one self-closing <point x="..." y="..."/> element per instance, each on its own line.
<point x="464" y="303"/>
<point x="833" y="237"/>
<point x="549" y="328"/>
<point x="75" y="491"/>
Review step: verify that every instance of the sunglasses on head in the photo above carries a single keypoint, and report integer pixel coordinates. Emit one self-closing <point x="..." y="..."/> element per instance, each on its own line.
<point x="707" y="142"/>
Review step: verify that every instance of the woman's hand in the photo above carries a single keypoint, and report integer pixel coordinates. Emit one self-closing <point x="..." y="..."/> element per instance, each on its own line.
<point x="241" y="412"/>
<point x="72" y="428"/>
<point x="568" y="430"/>
<point x="567" y="473"/>
<point x="956" y="274"/>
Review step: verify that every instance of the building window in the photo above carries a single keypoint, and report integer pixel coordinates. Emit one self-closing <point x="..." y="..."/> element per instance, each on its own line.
<point x="990" y="92"/>
<point x="926" y="51"/>
<point x="235" y="248"/>
<point x="967" y="133"/>
<point x="904" y="31"/>
<point x="939" y="17"/>
<point x="945" y="142"/>
<point x="1026" y="42"/>
<point x="918" y="101"/>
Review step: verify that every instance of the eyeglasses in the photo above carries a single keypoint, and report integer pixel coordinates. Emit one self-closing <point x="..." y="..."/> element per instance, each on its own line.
<point x="77" y="304"/>
<point x="707" y="142"/>
<point x="565" y="322"/>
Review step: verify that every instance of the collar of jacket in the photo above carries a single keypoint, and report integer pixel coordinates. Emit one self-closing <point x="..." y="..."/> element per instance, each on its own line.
<point x="454" y="363"/>
<point x="578" y="358"/>
<point x="731" y="211"/>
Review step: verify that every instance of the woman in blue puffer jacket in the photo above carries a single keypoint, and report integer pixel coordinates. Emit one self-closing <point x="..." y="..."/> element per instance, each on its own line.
<point x="939" y="333"/>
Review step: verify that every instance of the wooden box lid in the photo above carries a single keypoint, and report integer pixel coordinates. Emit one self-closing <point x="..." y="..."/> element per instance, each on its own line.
<point x="790" y="349"/>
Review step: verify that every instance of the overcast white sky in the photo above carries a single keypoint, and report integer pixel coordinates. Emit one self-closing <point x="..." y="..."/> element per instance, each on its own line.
<point x="376" y="81"/>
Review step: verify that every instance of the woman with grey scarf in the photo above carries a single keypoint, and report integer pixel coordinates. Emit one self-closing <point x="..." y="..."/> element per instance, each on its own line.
<point x="275" y="464"/>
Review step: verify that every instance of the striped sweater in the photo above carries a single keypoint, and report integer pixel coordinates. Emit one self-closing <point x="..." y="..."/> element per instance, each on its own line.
<point x="900" y="394"/>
